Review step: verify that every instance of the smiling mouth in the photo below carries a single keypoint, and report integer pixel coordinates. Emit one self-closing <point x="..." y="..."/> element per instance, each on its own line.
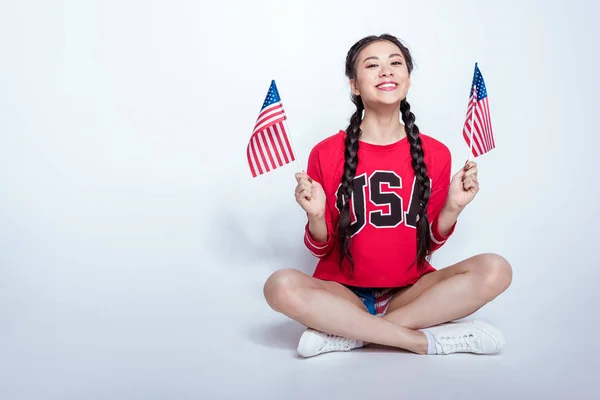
<point x="387" y="86"/>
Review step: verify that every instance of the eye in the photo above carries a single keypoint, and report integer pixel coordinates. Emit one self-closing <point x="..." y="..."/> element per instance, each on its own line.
<point x="397" y="63"/>
<point x="371" y="65"/>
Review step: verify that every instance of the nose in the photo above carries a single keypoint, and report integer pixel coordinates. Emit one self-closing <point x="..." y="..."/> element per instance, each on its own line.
<point x="386" y="71"/>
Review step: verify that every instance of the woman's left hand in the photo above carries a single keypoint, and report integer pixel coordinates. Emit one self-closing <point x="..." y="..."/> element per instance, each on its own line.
<point x="463" y="186"/>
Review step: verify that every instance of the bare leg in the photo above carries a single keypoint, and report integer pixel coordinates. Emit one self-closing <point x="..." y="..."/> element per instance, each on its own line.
<point x="332" y="308"/>
<point x="451" y="293"/>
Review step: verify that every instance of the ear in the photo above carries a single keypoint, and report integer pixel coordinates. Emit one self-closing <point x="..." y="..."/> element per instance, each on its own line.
<point x="354" y="87"/>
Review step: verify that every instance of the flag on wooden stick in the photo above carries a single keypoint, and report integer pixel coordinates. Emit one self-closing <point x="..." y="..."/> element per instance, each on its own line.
<point x="477" y="130"/>
<point x="270" y="145"/>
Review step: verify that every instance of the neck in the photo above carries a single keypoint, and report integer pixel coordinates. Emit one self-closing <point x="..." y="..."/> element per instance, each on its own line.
<point x="382" y="126"/>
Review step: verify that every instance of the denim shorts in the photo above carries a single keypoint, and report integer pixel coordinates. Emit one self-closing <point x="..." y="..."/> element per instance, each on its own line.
<point x="376" y="300"/>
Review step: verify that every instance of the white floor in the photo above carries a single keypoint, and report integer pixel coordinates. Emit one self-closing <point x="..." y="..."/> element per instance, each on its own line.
<point x="162" y="332"/>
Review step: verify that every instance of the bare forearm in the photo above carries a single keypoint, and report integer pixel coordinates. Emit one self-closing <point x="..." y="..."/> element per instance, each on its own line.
<point x="317" y="228"/>
<point x="447" y="218"/>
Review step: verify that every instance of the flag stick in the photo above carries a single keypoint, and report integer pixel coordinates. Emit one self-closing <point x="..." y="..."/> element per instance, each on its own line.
<point x="472" y="126"/>
<point x="287" y="129"/>
<point x="289" y="134"/>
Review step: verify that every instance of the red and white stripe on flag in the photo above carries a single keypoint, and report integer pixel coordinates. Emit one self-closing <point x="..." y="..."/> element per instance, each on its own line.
<point x="270" y="145"/>
<point x="478" y="123"/>
<point x="478" y="113"/>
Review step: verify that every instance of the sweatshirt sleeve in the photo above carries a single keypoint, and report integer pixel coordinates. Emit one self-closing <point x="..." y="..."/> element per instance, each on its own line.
<point x="439" y="193"/>
<point x="318" y="249"/>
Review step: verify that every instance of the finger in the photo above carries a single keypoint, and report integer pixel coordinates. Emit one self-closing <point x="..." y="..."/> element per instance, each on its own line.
<point x="305" y="185"/>
<point x="303" y="182"/>
<point x="471" y="185"/>
<point x="469" y="173"/>
<point x="472" y="171"/>
<point x="459" y="174"/>
<point x="303" y="192"/>
<point x="468" y="180"/>
<point x="307" y="179"/>
<point x="469" y="165"/>
<point x="302" y="186"/>
<point x="302" y="176"/>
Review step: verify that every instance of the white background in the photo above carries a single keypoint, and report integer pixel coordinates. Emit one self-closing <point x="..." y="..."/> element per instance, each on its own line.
<point x="134" y="243"/>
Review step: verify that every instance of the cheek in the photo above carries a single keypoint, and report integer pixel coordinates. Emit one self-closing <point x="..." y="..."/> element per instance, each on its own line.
<point x="366" y="82"/>
<point x="405" y="84"/>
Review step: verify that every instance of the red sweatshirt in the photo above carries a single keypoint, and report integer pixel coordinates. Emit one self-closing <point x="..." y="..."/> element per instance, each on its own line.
<point x="384" y="241"/>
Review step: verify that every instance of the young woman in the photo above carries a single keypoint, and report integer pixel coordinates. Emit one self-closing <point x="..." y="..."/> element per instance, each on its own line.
<point x="380" y="199"/>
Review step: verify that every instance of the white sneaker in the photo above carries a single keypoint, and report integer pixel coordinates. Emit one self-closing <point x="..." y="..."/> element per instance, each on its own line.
<point x="467" y="337"/>
<point x="314" y="342"/>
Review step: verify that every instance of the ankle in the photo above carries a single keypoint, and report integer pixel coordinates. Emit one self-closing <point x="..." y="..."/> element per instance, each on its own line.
<point x="421" y="345"/>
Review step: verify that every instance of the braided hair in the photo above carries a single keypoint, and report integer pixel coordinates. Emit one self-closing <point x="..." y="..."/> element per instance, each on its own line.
<point x="353" y="133"/>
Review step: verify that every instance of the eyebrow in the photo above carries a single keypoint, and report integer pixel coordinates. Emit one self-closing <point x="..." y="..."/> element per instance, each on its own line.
<point x="376" y="58"/>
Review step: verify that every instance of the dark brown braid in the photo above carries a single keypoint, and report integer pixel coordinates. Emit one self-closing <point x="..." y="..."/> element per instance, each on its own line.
<point x="353" y="133"/>
<point x="422" y="183"/>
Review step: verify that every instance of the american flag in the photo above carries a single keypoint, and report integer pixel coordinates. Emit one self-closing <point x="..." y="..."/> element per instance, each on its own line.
<point x="269" y="146"/>
<point x="478" y="123"/>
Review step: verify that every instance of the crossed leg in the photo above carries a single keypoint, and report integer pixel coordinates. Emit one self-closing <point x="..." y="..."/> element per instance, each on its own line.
<point x="331" y="307"/>
<point x="448" y="294"/>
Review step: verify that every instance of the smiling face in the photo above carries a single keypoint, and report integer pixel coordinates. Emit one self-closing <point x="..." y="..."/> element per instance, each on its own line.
<point x="381" y="75"/>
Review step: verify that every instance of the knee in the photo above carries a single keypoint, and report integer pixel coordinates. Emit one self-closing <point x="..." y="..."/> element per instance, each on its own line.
<point x="496" y="274"/>
<point x="279" y="289"/>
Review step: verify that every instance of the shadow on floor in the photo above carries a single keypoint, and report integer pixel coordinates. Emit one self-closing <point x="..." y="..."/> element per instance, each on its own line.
<point x="286" y="334"/>
<point x="283" y="335"/>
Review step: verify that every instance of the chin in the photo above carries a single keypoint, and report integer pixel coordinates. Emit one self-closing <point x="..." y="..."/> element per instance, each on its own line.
<point x="385" y="100"/>
<point x="388" y="102"/>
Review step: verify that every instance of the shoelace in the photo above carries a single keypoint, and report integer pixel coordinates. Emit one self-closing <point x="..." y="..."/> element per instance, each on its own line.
<point x="465" y="341"/>
<point x="335" y="342"/>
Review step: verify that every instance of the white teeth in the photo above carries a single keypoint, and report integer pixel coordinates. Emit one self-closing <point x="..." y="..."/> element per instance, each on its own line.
<point x="387" y="85"/>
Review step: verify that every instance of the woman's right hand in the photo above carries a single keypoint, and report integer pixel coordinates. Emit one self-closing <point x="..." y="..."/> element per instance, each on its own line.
<point x="310" y="195"/>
